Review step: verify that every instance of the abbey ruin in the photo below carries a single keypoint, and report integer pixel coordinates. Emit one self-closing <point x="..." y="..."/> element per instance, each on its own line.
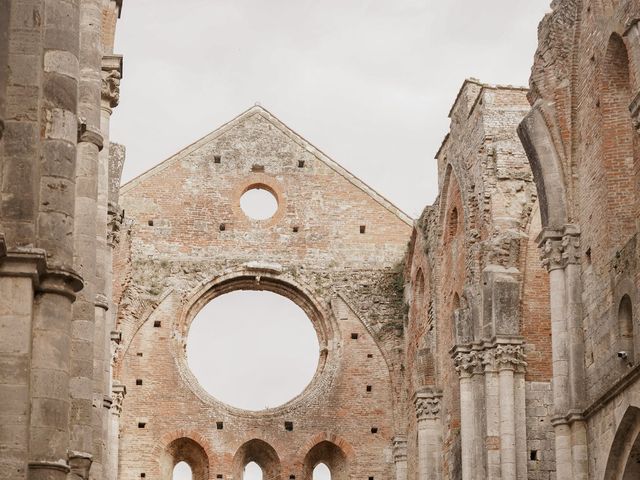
<point x="497" y="336"/>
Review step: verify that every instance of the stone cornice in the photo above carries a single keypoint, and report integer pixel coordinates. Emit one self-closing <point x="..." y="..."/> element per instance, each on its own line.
<point x="31" y="262"/>
<point x="399" y="448"/>
<point x="89" y="135"/>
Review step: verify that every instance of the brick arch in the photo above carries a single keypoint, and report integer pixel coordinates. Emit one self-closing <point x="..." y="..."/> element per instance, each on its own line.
<point x="625" y="448"/>
<point x="331" y="455"/>
<point x="183" y="446"/>
<point x="330" y="437"/>
<point x="260" y="452"/>
<point x="617" y="135"/>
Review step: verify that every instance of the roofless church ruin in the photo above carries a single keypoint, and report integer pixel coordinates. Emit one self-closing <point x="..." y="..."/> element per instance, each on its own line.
<point x="497" y="336"/>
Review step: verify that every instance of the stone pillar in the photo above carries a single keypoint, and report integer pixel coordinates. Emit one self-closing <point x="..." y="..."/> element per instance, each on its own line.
<point x="111" y="67"/>
<point x="509" y="360"/>
<point x="89" y="145"/>
<point x="467" y="364"/>
<point x="400" y="456"/>
<point x="492" y="425"/>
<point x="51" y="328"/>
<point x="18" y="275"/>
<point x="118" y="393"/>
<point x="427" y="404"/>
<point x="560" y="255"/>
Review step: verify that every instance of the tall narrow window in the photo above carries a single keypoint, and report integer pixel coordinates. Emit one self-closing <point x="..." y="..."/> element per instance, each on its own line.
<point x="617" y="141"/>
<point x="625" y="324"/>
<point x="321" y="472"/>
<point x="182" y="471"/>
<point x="252" y="471"/>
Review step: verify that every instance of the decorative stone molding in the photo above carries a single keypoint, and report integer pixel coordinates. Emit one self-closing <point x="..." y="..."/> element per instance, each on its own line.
<point x="115" y="217"/>
<point x="510" y="357"/>
<point x="427" y="404"/>
<point x="59" y="466"/>
<point x="116" y="346"/>
<point x="89" y="135"/>
<point x="560" y="248"/>
<point x="107" y="402"/>
<point x="571" y="245"/>
<point x="111" y="76"/>
<point x="80" y="464"/>
<point x="551" y="253"/>
<point x="101" y="301"/>
<point x="118" y="392"/>
<point x="467" y="362"/>
<point x="399" y="448"/>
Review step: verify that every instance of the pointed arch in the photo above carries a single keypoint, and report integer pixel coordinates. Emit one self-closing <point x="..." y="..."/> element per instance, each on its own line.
<point x="625" y="449"/>
<point x="617" y="141"/>
<point x="260" y="452"/>
<point x="185" y="450"/>
<point x="330" y="454"/>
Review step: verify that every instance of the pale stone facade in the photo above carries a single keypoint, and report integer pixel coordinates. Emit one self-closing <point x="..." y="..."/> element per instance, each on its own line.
<point x="502" y="343"/>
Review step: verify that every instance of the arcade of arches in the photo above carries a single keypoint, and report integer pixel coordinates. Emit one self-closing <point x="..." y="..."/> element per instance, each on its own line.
<point x="497" y="336"/>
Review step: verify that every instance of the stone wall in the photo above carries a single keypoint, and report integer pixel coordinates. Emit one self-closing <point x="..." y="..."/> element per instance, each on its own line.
<point x="334" y="246"/>
<point x="582" y="141"/>
<point x="477" y="289"/>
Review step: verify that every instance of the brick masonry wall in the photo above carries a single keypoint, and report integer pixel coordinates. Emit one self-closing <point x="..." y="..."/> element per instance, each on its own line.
<point x="175" y="251"/>
<point x="485" y="177"/>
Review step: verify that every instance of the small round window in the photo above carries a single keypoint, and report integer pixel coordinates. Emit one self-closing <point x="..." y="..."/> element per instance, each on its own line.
<point x="258" y="203"/>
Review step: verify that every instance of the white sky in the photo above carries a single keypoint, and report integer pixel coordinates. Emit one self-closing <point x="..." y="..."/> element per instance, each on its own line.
<point x="369" y="82"/>
<point x="252" y="350"/>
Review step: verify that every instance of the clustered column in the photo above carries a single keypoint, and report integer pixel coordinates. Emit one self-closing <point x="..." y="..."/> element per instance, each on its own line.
<point x="493" y="411"/>
<point x="427" y="404"/>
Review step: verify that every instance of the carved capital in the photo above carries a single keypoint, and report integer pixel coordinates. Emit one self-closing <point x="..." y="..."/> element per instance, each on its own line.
<point x="551" y="254"/>
<point x="510" y="357"/>
<point x="116" y="346"/>
<point x="111" y="76"/>
<point x="118" y="392"/>
<point x="467" y="362"/>
<point x="571" y="247"/>
<point x="427" y="404"/>
<point x="115" y="217"/>
<point x="559" y="248"/>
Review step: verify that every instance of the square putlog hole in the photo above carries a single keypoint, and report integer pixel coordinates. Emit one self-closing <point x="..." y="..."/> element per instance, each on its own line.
<point x="217" y="158"/>
<point x="157" y="324"/>
<point x="219" y="425"/>
<point x="354" y="336"/>
<point x="363" y="228"/>
<point x="288" y="426"/>
<point x="374" y="429"/>
<point x="141" y="425"/>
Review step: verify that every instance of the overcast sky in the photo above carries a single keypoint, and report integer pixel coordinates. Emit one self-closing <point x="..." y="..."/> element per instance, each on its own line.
<point x="369" y="82"/>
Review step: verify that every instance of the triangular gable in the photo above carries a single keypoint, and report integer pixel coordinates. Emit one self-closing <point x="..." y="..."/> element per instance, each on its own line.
<point x="258" y="110"/>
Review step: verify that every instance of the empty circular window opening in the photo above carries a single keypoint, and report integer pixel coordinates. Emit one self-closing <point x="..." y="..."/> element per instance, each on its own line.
<point x="253" y="349"/>
<point x="259" y="203"/>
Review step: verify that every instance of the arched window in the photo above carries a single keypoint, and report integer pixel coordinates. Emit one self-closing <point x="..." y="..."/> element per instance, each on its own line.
<point x="252" y="471"/>
<point x="617" y="140"/>
<point x="182" y="471"/>
<point x="625" y="324"/>
<point x="321" y="472"/>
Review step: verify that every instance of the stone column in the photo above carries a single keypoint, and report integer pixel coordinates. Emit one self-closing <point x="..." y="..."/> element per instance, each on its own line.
<point x="492" y="399"/>
<point x="400" y="456"/>
<point x="427" y="404"/>
<point x="110" y="96"/>
<point x="89" y="145"/>
<point x="560" y="256"/>
<point x="467" y="364"/>
<point x="51" y="329"/>
<point x="118" y="393"/>
<point x="509" y="358"/>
